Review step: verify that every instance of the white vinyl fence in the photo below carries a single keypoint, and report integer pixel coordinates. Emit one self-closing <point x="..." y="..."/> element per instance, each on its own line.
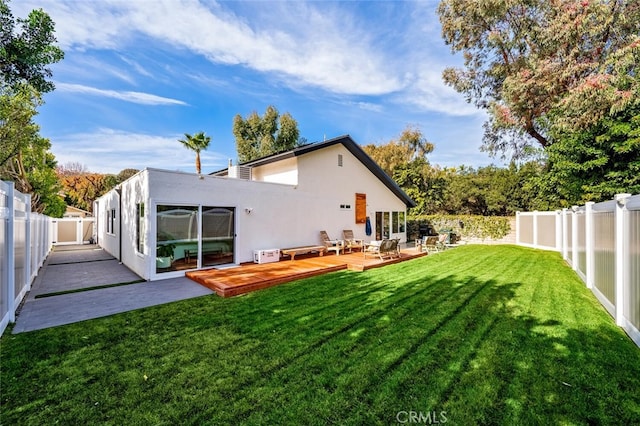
<point x="601" y="242"/>
<point x="25" y="242"/>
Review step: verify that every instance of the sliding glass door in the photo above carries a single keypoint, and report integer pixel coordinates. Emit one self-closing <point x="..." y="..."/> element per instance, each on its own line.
<point x="177" y="238"/>
<point x="218" y="231"/>
<point x="190" y="237"/>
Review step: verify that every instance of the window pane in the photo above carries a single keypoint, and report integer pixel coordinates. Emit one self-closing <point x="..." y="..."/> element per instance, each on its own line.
<point x="217" y="235"/>
<point x="177" y="237"/>
<point x="140" y="227"/>
<point x="386" y="224"/>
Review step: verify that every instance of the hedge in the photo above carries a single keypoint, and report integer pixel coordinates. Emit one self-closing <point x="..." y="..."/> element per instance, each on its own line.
<point x="465" y="226"/>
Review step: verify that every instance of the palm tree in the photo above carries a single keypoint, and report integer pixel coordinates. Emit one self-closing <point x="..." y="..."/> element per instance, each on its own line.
<point x="198" y="142"/>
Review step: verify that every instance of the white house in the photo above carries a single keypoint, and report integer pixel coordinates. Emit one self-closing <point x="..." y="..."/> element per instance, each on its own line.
<point x="279" y="201"/>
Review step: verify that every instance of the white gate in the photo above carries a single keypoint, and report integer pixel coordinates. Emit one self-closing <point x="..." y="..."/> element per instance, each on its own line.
<point x="74" y="230"/>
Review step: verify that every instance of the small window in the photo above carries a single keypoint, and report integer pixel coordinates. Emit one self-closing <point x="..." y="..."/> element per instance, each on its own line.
<point x="339" y="160"/>
<point x="111" y="220"/>
<point x="140" y="227"/>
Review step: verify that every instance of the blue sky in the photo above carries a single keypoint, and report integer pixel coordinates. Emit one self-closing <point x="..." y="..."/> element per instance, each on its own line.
<point x="138" y="74"/>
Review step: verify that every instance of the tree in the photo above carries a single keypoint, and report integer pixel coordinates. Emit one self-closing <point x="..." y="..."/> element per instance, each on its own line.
<point x="25" y="55"/>
<point x="597" y="163"/>
<point x="258" y="137"/>
<point x="404" y="159"/>
<point x="71" y="168"/>
<point x="82" y="189"/>
<point x="196" y="143"/>
<point x="410" y="145"/>
<point x="24" y="155"/>
<point x="425" y="184"/>
<point x="17" y="128"/>
<point x="538" y="64"/>
<point x="125" y="174"/>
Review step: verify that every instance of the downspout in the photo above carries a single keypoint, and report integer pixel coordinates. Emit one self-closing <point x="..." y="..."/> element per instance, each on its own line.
<point x="119" y="192"/>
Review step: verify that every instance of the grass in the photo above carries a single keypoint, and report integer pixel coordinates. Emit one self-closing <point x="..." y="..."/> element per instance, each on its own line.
<point x="475" y="335"/>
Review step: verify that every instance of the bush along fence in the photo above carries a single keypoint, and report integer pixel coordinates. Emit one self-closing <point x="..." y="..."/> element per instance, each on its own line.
<point x="601" y="242"/>
<point x="466" y="227"/>
<point x="25" y="242"/>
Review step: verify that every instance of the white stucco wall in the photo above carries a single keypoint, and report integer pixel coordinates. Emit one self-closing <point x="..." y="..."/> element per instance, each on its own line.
<point x="285" y="171"/>
<point x="320" y="174"/>
<point x="104" y="204"/>
<point x="281" y="215"/>
<point x="121" y="243"/>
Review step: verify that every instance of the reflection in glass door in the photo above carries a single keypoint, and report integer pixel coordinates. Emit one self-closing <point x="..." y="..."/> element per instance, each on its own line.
<point x="177" y="238"/>
<point x="382" y="225"/>
<point x="218" y="231"/>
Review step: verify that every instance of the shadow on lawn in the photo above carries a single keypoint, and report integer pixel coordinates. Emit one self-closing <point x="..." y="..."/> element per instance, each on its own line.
<point x="345" y="348"/>
<point x="463" y="346"/>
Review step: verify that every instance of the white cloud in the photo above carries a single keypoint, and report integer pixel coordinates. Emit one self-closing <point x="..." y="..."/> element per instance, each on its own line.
<point x="136" y="66"/>
<point x="429" y="93"/>
<point x="110" y="151"/>
<point x="127" y="96"/>
<point x="321" y="49"/>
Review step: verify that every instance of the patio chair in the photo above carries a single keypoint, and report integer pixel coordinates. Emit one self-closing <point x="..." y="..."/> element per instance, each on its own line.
<point x="392" y="249"/>
<point x="431" y="244"/>
<point x="396" y="247"/>
<point x="375" y="248"/>
<point x="332" y="245"/>
<point x="421" y="243"/>
<point x="351" y="242"/>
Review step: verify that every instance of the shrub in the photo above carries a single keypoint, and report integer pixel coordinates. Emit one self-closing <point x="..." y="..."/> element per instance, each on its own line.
<point x="465" y="226"/>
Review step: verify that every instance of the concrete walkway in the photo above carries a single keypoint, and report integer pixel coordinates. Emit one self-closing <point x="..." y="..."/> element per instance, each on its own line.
<point x="86" y="267"/>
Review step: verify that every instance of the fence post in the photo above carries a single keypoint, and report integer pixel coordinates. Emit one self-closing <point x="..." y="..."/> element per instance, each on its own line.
<point x="11" y="252"/>
<point x="622" y="261"/>
<point x="565" y="237"/>
<point x="574" y="238"/>
<point x="28" y="248"/>
<point x="518" y="228"/>
<point x="79" y="231"/>
<point x="535" y="228"/>
<point x="559" y="228"/>
<point x="589" y="243"/>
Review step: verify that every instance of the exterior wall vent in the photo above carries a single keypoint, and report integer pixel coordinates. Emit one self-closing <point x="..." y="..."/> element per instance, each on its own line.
<point x="240" y="172"/>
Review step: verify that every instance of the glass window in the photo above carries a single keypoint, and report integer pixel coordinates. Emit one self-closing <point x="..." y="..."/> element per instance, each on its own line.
<point x="385" y="224"/>
<point x="111" y="221"/>
<point x="140" y="227"/>
<point x="397" y="225"/>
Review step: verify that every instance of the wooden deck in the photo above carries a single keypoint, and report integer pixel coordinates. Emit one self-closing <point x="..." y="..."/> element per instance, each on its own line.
<point x="249" y="277"/>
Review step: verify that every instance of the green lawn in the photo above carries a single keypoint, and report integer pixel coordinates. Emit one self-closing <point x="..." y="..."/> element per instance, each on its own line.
<point x="475" y="335"/>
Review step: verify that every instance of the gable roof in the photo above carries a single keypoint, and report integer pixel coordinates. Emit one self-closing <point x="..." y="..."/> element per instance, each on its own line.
<point x="348" y="143"/>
